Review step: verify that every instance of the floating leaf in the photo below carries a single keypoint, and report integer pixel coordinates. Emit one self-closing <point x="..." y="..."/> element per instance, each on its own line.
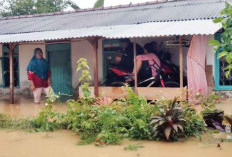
<point x="133" y="147"/>
<point x="218" y="126"/>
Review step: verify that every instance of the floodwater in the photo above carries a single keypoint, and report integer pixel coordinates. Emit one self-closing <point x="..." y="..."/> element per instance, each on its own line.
<point x="64" y="143"/>
<point x="24" y="108"/>
<point x="226" y="106"/>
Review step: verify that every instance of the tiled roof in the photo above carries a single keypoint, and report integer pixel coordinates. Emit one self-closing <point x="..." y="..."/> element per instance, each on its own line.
<point x="123" y="15"/>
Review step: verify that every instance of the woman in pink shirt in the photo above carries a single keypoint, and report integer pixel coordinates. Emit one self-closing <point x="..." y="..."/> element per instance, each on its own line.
<point x="149" y="56"/>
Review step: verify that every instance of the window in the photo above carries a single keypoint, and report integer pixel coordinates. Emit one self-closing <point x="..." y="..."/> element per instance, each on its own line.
<point x="221" y="82"/>
<point x="5" y="70"/>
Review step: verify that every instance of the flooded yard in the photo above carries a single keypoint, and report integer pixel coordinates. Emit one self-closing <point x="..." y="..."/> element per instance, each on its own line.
<point x="65" y="143"/>
<point x="24" y="108"/>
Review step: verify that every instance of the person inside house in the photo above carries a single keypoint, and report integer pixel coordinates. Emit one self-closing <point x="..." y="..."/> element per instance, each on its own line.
<point x="125" y="60"/>
<point x="155" y="47"/>
<point x="147" y="63"/>
<point x="39" y="75"/>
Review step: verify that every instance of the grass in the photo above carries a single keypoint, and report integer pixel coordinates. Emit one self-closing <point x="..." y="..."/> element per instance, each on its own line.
<point x="7" y="122"/>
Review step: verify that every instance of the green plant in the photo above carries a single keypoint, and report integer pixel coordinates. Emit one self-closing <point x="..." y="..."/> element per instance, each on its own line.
<point x="82" y="66"/>
<point x="211" y="115"/>
<point x="224" y="44"/>
<point x="52" y="97"/>
<point x="194" y="125"/>
<point x="7" y="122"/>
<point x="133" y="147"/>
<point x="103" y="101"/>
<point x="48" y="120"/>
<point x="139" y="112"/>
<point x="208" y="104"/>
<point x="82" y="120"/>
<point x="110" y="123"/>
<point x="107" y="137"/>
<point x="169" y="121"/>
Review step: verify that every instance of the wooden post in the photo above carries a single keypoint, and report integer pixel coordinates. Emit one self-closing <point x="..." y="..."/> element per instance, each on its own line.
<point x="11" y="67"/>
<point x="181" y="62"/>
<point x="94" y="43"/>
<point x="135" y="67"/>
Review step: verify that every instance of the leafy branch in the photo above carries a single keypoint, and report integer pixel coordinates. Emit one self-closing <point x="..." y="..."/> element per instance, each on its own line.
<point x="224" y="44"/>
<point x="82" y="66"/>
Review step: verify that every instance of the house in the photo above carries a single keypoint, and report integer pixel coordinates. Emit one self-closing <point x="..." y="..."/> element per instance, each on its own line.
<point x="94" y="33"/>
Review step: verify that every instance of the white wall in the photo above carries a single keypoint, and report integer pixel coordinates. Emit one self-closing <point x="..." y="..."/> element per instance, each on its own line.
<point x="79" y="49"/>
<point x="83" y="49"/>
<point x="26" y="52"/>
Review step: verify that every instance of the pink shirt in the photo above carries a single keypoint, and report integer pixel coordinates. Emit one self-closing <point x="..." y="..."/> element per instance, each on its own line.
<point x="150" y="57"/>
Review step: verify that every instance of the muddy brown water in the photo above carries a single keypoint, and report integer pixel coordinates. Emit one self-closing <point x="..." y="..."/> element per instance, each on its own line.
<point x="24" y="108"/>
<point x="64" y="143"/>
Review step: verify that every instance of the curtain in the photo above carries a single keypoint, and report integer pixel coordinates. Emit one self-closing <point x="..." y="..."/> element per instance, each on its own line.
<point x="196" y="66"/>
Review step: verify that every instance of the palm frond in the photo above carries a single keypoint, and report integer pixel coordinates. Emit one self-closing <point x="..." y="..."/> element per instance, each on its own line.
<point x="72" y="4"/>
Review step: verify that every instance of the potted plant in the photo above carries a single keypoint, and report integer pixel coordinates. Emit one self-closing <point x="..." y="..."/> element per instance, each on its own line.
<point x="212" y="116"/>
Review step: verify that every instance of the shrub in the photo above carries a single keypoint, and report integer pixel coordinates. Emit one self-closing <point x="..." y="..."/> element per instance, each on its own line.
<point x="194" y="125"/>
<point x="110" y="123"/>
<point x="7" y="122"/>
<point x="174" y="119"/>
<point x="168" y="122"/>
<point x="49" y="120"/>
